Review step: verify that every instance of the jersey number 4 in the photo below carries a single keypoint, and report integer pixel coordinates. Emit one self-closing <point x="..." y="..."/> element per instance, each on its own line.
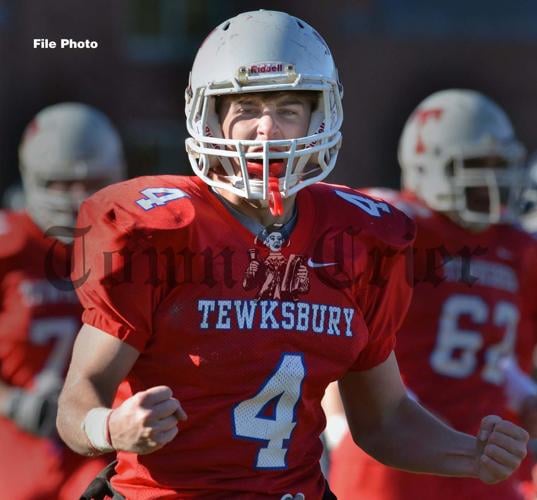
<point x="156" y="197"/>
<point x="455" y="353"/>
<point x="270" y="415"/>
<point x="368" y="205"/>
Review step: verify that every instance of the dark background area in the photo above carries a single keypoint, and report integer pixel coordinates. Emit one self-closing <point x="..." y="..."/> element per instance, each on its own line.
<point x="390" y="54"/>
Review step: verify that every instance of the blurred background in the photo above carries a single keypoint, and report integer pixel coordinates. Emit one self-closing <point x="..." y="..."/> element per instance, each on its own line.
<point x="390" y="54"/>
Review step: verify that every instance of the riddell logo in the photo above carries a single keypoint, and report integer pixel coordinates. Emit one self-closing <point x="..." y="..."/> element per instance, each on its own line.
<point x="256" y="69"/>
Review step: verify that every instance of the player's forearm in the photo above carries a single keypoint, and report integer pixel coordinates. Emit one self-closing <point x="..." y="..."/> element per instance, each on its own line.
<point x="76" y="400"/>
<point x="441" y="449"/>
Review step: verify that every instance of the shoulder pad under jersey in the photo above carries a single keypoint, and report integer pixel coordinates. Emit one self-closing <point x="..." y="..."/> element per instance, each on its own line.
<point x="145" y="203"/>
<point x="377" y="217"/>
<point x="412" y="207"/>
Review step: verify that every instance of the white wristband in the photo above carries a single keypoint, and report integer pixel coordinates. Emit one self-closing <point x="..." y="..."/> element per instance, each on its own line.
<point x="336" y="428"/>
<point x="95" y="426"/>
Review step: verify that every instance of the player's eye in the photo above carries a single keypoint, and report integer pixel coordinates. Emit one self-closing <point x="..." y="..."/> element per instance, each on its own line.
<point x="290" y="111"/>
<point x="247" y="109"/>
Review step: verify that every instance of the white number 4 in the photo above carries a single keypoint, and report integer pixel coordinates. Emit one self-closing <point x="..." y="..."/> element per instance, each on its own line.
<point x="282" y="389"/>
<point x="155" y="197"/>
<point x="369" y="206"/>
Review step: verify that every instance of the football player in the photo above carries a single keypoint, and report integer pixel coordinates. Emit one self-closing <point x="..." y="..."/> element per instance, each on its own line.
<point x="469" y="331"/>
<point x="67" y="152"/>
<point x="225" y="337"/>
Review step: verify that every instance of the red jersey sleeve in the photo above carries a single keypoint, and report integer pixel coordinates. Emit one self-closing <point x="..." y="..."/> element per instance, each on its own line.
<point x="117" y="274"/>
<point x="385" y="291"/>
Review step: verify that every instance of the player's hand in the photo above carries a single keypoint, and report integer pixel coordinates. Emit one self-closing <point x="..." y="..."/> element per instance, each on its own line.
<point x="146" y="421"/>
<point x="33" y="411"/>
<point x="252" y="268"/>
<point x="501" y="447"/>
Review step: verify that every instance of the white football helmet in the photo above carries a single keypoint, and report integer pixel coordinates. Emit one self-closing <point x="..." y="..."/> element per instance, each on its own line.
<point x="263" y="51"/>
<point x="443" y="135"/>
<point x="67" y="142"/>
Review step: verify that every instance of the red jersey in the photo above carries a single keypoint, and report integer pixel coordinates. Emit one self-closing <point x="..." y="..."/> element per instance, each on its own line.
<point x="39" y="317"/>
<point x="247" y="333"/>
<point x="472" y="305"/>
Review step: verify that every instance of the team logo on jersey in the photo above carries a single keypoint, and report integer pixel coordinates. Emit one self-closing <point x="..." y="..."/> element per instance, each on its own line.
<point x="279" y="281"/>
<point x="274" y="275"/>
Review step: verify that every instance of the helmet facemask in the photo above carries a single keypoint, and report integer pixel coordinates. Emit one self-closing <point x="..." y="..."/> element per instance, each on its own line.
<point x="527" y="204"/>
<point x="485" y="195"/>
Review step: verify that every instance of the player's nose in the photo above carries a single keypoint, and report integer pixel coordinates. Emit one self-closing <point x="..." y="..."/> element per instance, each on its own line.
<point x="267" y="127"/>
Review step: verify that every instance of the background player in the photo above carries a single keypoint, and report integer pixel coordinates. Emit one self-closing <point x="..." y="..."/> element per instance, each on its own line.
<point x="67" y="152"/>
<point x="473" y="306"/>
<point x="264" y="113"/>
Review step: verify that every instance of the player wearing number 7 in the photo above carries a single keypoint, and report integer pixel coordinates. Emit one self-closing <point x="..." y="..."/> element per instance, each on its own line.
<point x="222" y="384"/>
<point x="475" y="275"/>
<point x="68" y="151"/>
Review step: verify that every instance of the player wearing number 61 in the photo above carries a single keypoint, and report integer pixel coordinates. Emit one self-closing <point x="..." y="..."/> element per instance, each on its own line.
<point x="473" y="314"/>
<point x="222" y="384"/>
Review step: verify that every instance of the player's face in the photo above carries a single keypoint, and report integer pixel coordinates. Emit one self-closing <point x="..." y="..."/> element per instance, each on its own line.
<point x="478" y="197"/>
<point x="69" y="194"/>
<point x="76" y="187"/>
<point x="265" y="116"/>
<point x="76" y="190"/>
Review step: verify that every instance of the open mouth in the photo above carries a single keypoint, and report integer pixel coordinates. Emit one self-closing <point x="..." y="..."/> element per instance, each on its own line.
<point x="255" y="168"/>
<point x="276" y="171"/>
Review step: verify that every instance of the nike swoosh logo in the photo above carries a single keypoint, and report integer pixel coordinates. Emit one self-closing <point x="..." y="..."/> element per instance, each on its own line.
<point x="320" y="264"/>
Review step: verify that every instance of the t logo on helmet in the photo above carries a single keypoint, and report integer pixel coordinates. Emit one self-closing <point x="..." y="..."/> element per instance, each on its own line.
<point x="423" y="116"/>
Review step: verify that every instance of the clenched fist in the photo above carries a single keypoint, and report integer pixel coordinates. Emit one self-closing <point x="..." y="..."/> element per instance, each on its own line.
<point x="500" y="449"/>
<point x="146" y="421"/>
